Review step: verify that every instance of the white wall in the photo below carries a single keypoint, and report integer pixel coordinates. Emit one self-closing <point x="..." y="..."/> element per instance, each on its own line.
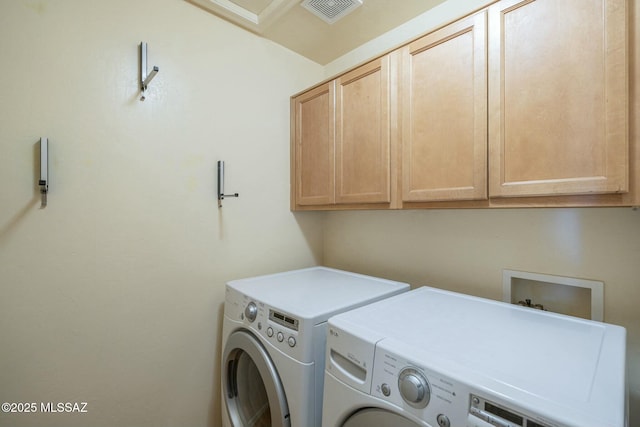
<point x="113" y="293"/>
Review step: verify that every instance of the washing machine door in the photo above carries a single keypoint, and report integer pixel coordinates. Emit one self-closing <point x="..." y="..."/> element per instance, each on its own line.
<point x="254" y="395"/>
<point x="374" y="417"/>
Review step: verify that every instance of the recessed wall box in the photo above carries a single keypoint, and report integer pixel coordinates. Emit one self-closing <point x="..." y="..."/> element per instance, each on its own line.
<point x="559" y="294"/>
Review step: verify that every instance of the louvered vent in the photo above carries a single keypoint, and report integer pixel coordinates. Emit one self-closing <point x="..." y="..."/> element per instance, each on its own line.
<point x="331" y="11"/>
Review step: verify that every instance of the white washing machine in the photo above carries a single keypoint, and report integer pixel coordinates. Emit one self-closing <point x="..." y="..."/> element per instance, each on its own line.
<point x="440" y="359"/>
<point x="274" y="335"/>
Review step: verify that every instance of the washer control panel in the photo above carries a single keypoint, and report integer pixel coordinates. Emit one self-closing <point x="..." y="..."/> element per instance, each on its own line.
<point x="487" y="412"/>
<point x="279" y="329"/>
<point x="284" y="320"/>
<point x="418" y="390"/>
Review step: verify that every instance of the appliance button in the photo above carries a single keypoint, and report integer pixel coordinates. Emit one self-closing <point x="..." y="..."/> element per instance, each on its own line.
<point x="292" y="342"/>
<point x="478" y="413"/>
<point x="280" y="337"/>
<point x="443" y="421"/>
<point x="496" y="422"/>
<point x="386" y="390"/>
<point x="269" y="331"/>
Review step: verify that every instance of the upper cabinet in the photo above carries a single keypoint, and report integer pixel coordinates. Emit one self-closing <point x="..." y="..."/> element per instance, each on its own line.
<point x="312" y="151"/>
<point x="363" y="135"/>
<point x="444" y="114"/>
<point x="525" y="103"/>
<point x="341" y="149"/>
<point x="557" y="98"/>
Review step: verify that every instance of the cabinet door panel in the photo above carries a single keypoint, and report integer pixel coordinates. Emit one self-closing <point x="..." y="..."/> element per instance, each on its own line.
<point x="363" y="134"/>
<point x="558" y="97"/>
<point x="314" y="151"/>
<point x="444" y="114"/>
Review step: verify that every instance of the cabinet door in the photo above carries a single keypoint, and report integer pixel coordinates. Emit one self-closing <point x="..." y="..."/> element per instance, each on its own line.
<point x="444" y="130"/>
<point x="363" y="134"/>
<point x="557" y="97"/>
<point x="314" y="164"/>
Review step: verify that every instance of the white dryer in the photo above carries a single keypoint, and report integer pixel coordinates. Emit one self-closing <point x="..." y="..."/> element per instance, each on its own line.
<point x="274" y="335"/>
<point x="432" y="358"/>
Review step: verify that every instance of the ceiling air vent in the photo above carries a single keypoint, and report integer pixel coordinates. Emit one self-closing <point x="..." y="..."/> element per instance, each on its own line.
<point x="331" y="11"/>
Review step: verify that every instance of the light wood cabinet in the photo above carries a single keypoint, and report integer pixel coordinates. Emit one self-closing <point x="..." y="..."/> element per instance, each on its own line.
<point x="444" y="113"/>
<point x="523" y="104"/>
<point x="341" y="148"/>
<point x="312" y="151"/>
<point x="363" y="139"/>
<point x="557" y="98"/>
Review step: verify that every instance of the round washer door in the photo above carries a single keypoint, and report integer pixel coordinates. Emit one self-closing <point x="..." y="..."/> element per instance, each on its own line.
<point x="252" y="389"/>
<point x="374" y="417"/>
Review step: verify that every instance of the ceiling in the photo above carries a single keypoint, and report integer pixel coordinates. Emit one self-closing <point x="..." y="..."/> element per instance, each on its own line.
<point x="291" y="25"/>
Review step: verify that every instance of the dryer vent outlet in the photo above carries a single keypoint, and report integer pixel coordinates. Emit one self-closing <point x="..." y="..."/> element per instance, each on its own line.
<point x="331" y="11"/>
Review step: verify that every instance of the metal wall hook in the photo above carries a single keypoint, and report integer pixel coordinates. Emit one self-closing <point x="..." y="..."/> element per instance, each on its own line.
<point x="221" y="194"/>
<point x="44" y="171"/>
<point x="145" y="78"/>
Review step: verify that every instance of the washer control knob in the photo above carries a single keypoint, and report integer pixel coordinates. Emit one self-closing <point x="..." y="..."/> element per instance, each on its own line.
<point x="251" y="311"/>
<point x="414" y="387"/>
<point x="292" y="342"/>
<point x="269" y="331"/>
<point x="280" y="337"/>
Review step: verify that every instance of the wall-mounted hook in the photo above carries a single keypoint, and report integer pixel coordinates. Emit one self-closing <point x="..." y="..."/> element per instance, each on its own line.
<point x="44" y="171"/>
<point x="145" y="78"/>
<point x="221" y="194"/>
